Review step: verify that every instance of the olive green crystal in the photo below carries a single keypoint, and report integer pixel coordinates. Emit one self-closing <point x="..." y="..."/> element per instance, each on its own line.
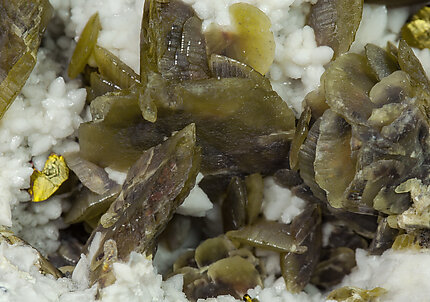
<point x="85" y="46"/>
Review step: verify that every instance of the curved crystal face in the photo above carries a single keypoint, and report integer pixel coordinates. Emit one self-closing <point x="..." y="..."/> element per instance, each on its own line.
<point x="85" y="46"/>
<point x="368" y="153"/>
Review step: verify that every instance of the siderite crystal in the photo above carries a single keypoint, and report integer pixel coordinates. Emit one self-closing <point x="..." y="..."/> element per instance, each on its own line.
<point x="155" y="186"/>
<point x="22" y="25"/>
<point x="335" y="23"/>
<point x="375" y="134"/>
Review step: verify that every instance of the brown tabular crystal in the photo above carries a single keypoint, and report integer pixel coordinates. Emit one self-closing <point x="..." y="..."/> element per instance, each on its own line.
<point x="22" y="25"/>
<point x="155" y="186"/>
<point x="335" y="23"/>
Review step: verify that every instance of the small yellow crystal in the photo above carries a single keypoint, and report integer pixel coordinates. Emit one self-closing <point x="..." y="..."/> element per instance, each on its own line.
<point x="417" y="32"/>
<point x="247" y="298"/>
<point x="44" y="183"/>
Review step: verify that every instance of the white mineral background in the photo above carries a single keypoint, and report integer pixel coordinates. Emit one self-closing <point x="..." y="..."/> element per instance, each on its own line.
<point x="45" y="116"/>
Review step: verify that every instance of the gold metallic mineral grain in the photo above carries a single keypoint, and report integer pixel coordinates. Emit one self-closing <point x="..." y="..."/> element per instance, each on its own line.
<point x="44" y="183"/>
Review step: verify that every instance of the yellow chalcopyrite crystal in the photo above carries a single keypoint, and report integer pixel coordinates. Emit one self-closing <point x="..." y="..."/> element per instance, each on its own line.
<point x="44" y="183"/>
<point x="417" y="31"/>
